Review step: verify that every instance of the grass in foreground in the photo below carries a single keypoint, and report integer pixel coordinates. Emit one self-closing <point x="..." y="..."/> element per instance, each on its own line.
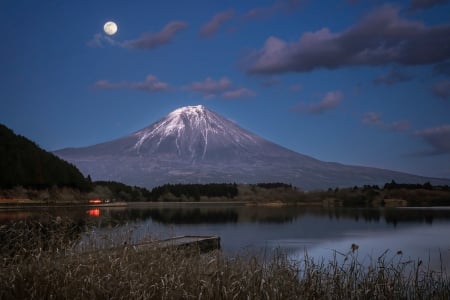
<point x="40" y="261"/>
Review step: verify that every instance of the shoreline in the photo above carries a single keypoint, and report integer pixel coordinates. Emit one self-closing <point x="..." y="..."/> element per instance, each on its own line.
<point x="22" y="205"/>
<point x="29" y="205"/>
<point x="122" y="204"/>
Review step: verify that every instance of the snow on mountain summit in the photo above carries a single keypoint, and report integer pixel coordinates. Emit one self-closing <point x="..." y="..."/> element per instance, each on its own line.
<point x="190" y="110"/>
<point x="175" y="122"/>
<point x="192" y="130"/>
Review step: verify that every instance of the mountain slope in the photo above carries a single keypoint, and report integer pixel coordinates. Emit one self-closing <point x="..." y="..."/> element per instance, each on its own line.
<point x="195" y="145"/>
<point x="23" y="163"/>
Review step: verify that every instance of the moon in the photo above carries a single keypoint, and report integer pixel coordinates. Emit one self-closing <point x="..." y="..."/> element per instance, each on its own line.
<point x="110" y="28"/>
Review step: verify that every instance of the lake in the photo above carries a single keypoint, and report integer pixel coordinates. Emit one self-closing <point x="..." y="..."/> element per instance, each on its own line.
<point x="418" y="232"/>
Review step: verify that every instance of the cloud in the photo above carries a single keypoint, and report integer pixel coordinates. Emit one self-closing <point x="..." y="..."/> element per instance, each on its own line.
<point x="391" y="78"/>
<point x="152" y="40"/>
<point x="99" y="39"/>
<point x="438" y="138"/>
<point x="402" y="125"/>
<point x="223" y="87"/>
<point x="238" y="93"/>
<point x="211" y="27"/>
<point x="372" y="118"/>
<point x="424" y="4"/>
<point x="210" y="86"/>
<point x="146" y="41"/>
<point x="375" y="119"/>
<point x="442" y="89"/>
<point x="107" y="85"/>
<point x="150" y="84"/>
<point x="380" y="38"/>
<point x="330" y="101"/>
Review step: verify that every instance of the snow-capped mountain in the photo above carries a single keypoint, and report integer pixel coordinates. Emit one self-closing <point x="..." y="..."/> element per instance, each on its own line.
<point x="195" y="145"/>
<point x="195" y="134"/>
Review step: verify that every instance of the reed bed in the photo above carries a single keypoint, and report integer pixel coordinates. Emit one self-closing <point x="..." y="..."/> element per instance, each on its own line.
<point x="40" y="260"/>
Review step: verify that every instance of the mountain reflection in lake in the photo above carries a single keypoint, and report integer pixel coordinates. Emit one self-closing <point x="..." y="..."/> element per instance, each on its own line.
<point x="416" y="232"/>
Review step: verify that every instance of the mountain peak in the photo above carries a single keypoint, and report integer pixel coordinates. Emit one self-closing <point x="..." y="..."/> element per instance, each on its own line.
<point x="185" y="116"/>
<point x="189" y="132"/>
<point x="193" y="144"/>
<point x="194" y="109"/>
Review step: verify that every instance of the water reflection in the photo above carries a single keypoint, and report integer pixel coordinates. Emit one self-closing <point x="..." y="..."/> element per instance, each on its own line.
<point x="426" y="243"/>
<point x="94" y="212"/>
<point x="193" y="216"/>
<point x="414" y="231"/>
<point x="202" y="214"/>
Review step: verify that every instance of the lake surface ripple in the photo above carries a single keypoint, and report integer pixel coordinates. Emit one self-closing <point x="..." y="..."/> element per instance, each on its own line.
<point x="420" y="233"/>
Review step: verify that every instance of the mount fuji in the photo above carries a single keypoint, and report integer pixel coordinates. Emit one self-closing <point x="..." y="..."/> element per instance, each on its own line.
<point x="195" y="145"/>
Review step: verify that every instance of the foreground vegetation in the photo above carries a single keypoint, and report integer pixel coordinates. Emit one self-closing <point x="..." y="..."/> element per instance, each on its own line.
<point x="40" y="260"/>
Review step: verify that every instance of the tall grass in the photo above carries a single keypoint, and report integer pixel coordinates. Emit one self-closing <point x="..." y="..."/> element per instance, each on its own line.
<point x="39" y="263"/>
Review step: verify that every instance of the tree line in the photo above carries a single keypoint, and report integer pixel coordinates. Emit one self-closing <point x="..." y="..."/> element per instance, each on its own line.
<point x="412" y="186"/>
<point x="23" y="163"/>
<point x="195" y="191"/>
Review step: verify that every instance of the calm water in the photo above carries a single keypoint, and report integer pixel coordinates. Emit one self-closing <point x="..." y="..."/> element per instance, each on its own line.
<point x="420" y="233"/>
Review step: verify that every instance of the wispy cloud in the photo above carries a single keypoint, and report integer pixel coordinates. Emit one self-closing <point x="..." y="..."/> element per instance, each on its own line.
<point x="223" y="87"/>
<point x="100" y="39"/>
<point x="238" y="93"/>
<point x="402" y="125"/>
<point x="375" y="119"/>
<point x="382" y="37"/>
<point x="424" y="4"/>
<point x="210" y="86"/>
<point x="391" y="78"/>
<point x="211" y="27"/>
<point x="152" y="40"/>
<point x="372" y="118"/>
<point x="438" y="138"/>
<point x="330" y="101"/>
<point x="145" y="42"/>
<point x="441" y="89"/>
<point x="150" y="84"/>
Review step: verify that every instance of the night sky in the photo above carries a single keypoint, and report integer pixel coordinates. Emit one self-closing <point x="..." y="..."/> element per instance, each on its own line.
<point x="356" y="82"/>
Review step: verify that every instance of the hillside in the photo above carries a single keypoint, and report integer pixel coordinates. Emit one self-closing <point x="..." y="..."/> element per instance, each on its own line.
<point x="23" y="163"/>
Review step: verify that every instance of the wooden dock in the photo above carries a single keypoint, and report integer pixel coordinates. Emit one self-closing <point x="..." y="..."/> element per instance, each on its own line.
<point x="202" y="243"/>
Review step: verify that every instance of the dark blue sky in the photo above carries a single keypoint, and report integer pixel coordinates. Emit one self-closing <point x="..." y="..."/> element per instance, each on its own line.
<point x="356" y="82"/>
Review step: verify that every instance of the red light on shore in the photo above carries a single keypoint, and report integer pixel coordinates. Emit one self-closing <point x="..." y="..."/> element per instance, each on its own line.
<point x="95" y="212"/>
<point x="95" y="201"/>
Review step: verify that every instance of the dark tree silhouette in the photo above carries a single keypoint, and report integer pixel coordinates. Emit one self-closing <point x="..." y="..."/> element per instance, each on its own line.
<point x="23" y="163"/>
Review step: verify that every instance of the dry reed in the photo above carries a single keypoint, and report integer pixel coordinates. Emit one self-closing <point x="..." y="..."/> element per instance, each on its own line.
<point x="40" y="261"/>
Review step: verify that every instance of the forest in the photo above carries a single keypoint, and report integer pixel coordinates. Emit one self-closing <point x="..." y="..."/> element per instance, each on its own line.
<point x="23" y="163"/>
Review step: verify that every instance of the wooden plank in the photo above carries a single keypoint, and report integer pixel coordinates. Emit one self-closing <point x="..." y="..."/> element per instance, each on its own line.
<point x="203" y="243"/>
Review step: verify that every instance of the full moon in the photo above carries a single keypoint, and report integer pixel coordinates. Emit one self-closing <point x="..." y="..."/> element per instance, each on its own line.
<point x="110" y="28"/>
